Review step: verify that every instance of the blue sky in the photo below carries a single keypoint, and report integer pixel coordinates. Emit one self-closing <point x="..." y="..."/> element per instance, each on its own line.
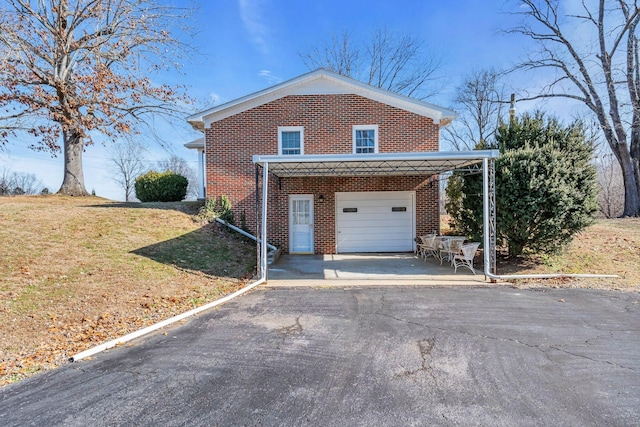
<point x="248" y="45"/>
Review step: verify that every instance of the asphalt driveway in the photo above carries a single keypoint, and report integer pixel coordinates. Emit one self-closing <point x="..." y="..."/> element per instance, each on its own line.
<point x="382" y="356"/>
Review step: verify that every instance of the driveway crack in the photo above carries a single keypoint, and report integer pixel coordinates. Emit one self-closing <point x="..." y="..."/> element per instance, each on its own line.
<point x="294" y="329"/>
<point x="540" y="347"/>
<point x="582" y="356"/>
<point x="425" y="348"/>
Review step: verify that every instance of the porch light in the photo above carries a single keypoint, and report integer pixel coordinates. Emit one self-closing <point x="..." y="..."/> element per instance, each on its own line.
<point x="321" y="198"/>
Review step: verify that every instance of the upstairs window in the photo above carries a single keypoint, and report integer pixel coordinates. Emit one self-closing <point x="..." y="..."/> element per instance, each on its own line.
<point x="290" y="140"/>
<point x="365" y="139"/>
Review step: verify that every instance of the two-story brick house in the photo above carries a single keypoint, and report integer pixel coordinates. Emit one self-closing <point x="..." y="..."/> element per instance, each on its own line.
<point x="318" y="200"/>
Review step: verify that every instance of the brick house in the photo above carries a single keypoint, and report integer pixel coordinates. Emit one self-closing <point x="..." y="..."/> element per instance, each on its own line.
<point x="347" y="162"/>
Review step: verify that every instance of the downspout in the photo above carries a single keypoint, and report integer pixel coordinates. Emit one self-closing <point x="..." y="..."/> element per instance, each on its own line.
<point x="141" y="332"/>
<point x="201" y="187"/>
<point x="244" y="233"/>
<point x="549" y="276"/>
<point x="162" y="324"/>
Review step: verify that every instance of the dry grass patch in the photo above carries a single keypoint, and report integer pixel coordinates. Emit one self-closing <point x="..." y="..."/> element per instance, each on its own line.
<point x="611" y="246"/>
<point x="76" y="272"/>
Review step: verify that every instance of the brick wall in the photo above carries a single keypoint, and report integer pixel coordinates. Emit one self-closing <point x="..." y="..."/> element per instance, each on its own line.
<point x="327" y="121"/>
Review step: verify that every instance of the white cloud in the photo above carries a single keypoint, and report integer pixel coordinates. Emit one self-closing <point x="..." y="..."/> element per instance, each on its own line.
<point x="269" y="77"/>
<point x="252" y="15"/>
<point x="216" y="99"/>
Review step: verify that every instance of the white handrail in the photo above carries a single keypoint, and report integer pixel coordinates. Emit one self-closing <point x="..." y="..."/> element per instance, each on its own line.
<point x="244" y="233"/>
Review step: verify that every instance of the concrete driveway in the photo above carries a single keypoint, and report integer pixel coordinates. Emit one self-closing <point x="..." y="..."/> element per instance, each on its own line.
<point x="368" y="269"/>
<point x="377" y="356"/>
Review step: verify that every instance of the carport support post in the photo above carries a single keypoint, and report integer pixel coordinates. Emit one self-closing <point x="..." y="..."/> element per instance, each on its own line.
<point x="489" y="215"/>
<point x="263" y="249"/>
<point x="258" y="232"/>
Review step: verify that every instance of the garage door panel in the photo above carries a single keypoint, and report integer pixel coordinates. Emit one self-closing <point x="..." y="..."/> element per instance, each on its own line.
<point x="365" y="233"/>
<point x="373" y="206"/>
<point x="375" y="203"/>
<point x="358" y="227"/>
<point x="373" y="225"/>
<point x="373" y="218"/>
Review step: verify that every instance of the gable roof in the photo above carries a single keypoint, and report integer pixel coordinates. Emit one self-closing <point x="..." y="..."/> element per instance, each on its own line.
<point x="321" y="82"/>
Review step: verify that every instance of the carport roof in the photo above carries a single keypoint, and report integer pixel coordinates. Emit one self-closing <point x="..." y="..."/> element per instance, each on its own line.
<point x="385" y="164"/>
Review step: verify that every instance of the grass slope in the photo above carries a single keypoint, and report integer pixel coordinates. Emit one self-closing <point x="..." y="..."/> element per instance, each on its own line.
<point x="610" y="246"/>
<point x="76" y="272"/>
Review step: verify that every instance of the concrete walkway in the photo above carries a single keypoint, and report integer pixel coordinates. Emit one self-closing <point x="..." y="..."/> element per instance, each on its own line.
<point x="369" y="269"/>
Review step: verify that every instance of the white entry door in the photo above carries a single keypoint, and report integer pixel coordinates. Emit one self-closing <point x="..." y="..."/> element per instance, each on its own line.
<point x="301" y="224"/>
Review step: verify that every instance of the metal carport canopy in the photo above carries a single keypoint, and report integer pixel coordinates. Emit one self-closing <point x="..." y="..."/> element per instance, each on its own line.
<point x="385" y="164"/>
<point x="380" y="164"/>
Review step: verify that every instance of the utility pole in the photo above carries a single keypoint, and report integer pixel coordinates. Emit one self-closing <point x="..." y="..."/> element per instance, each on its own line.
<point x="512" y="109"/>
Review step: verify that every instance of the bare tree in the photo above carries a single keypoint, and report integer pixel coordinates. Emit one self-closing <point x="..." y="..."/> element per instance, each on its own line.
<point x="396" y="62"/>
<point x="594" y="56"/>
<point x="19" y="183"/>
<point x="180" y="166"/>
<point x="611" y="187"/>
<point x="609" y="175"/>
<point x="76" y="69"/>
<point x="480" y="102"/>
<point x="338" y="54"/>
<point x="127" y="158"/>
<point x="5" y="182"/>
<point x="28" y="183"/>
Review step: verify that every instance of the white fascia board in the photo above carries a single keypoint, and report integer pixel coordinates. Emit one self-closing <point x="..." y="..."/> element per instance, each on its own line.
<point x="248" y="101"/>
<point x="321" y="82"/>
<point x="435" y="156"/>
<point x="196" y="144"/>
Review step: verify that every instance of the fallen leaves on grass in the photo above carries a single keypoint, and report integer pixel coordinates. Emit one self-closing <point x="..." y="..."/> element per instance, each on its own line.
<point x="71" y="279"/>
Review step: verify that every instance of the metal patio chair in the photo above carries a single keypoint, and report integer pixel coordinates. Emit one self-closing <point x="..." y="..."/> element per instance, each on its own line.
<point x="426" y="246"/>
<point x="465" y="258"/>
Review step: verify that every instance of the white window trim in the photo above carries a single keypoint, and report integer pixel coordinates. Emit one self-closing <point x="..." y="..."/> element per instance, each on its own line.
<point x="365" y="127"/>
<point x="290" y="129"/>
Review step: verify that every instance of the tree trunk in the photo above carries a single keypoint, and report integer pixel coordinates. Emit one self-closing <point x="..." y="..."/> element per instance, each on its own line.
<point x="631" y="190"/>
<point x="635" y="165"/>
<point x="73" y="182"/>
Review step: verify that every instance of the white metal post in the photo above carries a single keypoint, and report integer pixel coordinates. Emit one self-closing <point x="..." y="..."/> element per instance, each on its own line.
<point x="201" y="186"/>
<point x="485" y="216"/>
<point x="263" y="249"/>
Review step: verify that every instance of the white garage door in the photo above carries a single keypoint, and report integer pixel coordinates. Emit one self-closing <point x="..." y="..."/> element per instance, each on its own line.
<point x="381" y="221"/>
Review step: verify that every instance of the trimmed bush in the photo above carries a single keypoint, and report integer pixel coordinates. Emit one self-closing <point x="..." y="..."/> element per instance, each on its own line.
<point x="161" y="187"/>
<point x="545" y="187"/>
